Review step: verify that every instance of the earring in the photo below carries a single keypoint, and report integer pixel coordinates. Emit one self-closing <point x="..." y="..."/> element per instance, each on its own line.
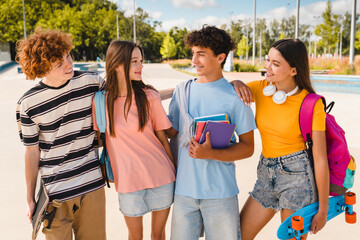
<point x="279" y="97"/>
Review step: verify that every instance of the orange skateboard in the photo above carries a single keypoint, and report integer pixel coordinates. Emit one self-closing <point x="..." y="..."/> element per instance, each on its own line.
<point x="42" y="213"/>
<point x="299" y="223"/>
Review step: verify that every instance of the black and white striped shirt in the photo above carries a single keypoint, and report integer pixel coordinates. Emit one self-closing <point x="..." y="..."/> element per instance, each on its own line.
<point x="59" y="121"/>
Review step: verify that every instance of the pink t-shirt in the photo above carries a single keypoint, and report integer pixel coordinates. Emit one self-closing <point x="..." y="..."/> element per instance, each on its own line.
<point x="138" y="159"/>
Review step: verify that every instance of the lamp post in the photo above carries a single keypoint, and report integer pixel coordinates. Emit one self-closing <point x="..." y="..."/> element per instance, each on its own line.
<point x="117" y="26"/>
<point x="134" y="23"/>
<point x="315" y="47"/>
<point x="297" y="19"/>
<point x="24" y="19"/>
<point x="260" y="40"/>
<point x="340" y="50"/>
<point x="352" y="35"/>
<point x="254" y="34"/>
<point x="247" y="36"/>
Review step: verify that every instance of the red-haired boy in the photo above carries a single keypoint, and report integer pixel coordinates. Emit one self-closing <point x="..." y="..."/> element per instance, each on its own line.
<point x="55" y="125"/>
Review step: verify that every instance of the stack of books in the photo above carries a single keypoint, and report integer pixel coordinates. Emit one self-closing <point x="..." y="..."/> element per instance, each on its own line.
<point x="219" y="128"/>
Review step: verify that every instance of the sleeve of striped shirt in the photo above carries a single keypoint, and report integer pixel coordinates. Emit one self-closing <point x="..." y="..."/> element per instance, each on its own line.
<point x="28" y="130"/>
<point x="101" y="83"/>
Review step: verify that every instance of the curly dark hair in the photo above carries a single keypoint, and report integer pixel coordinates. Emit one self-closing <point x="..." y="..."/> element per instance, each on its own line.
<point x="218" y="40"/>
<point x="36" y="54"/>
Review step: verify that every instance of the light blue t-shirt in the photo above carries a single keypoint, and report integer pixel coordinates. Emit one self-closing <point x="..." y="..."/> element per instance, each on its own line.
<point x="206" y="178"/>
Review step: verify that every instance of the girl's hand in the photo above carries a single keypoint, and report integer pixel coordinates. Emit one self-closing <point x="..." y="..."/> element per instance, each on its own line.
<point x="243" y="92"/>
<point x="318" y="222"/>
<point x="201" y="151"/>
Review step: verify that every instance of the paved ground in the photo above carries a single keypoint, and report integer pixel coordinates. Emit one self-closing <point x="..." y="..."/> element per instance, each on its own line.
<point x="13" y="222"/>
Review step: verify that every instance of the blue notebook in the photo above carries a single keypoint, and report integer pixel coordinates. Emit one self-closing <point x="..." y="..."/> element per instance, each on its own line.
<point x="220" y="134"/>
<point x="214" y="117"/>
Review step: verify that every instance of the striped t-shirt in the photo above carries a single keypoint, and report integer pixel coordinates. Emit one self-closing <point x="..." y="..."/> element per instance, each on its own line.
<point x="59" y="121"/>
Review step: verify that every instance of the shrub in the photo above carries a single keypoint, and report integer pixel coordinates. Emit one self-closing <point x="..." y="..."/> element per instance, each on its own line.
<point x="179" y="63"/>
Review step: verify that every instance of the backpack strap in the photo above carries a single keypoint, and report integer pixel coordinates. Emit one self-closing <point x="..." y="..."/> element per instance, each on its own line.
<point x="306" y="115"/>
<point x="100" y="107"/>
<point x="100" y="110"/>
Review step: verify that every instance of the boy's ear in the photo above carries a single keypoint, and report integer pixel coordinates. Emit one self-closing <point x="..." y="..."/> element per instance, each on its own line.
<point x="221" y="57"/>
<point x="293" y="72"/>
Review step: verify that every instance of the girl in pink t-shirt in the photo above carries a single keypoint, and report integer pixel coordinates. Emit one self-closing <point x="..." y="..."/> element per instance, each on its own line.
<point x="139" y="152"/>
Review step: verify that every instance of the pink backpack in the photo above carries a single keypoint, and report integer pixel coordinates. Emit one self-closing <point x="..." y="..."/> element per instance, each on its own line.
<point x="341" y="164"/>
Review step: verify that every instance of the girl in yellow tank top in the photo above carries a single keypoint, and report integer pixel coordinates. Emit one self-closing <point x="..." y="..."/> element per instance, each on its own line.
<point x="286" y="178"/>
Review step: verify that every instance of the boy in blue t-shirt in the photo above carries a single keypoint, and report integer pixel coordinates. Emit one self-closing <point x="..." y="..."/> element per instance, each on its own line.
<point x="206" y="189"/>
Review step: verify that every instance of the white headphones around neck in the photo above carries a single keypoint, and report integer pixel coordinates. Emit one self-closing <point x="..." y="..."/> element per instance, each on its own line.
<point x="279" y="97"/>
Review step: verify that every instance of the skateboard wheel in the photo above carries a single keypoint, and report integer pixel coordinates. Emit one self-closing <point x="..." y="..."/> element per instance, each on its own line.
<point x="350" y="198"/>
<point x="350" y="218"/>
<point x="297" y="223"/>
<point x="46" y="230"/>
<point x="301" y="238"/>
<point x="56" y="203"/>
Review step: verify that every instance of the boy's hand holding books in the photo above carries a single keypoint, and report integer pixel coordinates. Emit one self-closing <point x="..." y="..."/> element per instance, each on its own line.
<point x="201" y="151"/>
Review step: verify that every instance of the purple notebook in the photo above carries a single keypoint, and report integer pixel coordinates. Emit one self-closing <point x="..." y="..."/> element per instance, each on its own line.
<point x="220" y="133"/>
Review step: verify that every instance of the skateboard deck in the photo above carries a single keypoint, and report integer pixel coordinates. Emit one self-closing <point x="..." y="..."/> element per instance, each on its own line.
<point x="42" y="212"/>
<point x="337" y="206"/>
<point x="40" y="209"/>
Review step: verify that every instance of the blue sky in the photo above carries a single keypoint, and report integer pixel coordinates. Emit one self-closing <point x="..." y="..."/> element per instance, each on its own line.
<point x="192" y="14"/>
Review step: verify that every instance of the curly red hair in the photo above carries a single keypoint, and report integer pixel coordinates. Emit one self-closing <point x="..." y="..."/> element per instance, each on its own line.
<point x="36" y="54"/>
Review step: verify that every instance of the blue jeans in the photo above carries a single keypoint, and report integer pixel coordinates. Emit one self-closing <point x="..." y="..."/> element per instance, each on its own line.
<point x="285" y="182"/>
<point x="218" y="217"/>
<point x="135" y="204"/>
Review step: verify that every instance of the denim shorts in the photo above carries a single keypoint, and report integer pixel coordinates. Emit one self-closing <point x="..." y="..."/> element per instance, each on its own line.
<point x="136" y="204"/>
<point x="219" y="218"/>
<point x="285" y="182"/>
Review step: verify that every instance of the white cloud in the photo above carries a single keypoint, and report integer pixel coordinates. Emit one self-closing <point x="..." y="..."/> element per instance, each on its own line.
<point x="197" y="24"/>
<point x="308" y="12"/>
<point x="194" y="4"/>
<point x="209" y="20"/>
<point x="127" y="6"/>
<point x="167" y="25"/>
<point x="155" y="15"/>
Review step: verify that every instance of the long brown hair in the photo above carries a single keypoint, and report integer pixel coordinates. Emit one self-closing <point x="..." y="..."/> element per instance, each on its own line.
<point x="119" y="53"/>
<point x="294" y="52"/>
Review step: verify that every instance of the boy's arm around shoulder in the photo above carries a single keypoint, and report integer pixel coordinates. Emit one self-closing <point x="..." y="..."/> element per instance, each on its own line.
<point x="166" y="93"/>
<point x="243" y="149"/>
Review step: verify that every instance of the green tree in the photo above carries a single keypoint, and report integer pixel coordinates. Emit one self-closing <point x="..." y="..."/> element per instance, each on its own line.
<point x="357" y="40"/>
<point x="168" y="48"/>
<point x="274" y="31"/>
<point x="328" y="31"/>
<point x="282" y="36"/>
<point x="179" y="36"/>
<point x="242" y="48"/>
<point x="236" y="31"/>
<point x="146" y="34"/>
<point x="263" y="37"/>
<point x="92" y="24"/>
<point x="287" y="26"/>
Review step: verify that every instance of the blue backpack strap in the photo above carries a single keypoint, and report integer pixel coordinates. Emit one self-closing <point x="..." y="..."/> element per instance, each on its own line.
<point x="100" y="110"/>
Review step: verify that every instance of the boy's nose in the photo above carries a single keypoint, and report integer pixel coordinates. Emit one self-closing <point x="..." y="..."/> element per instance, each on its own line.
<point x="268" y="64"/>
<point x="69" y="61"/>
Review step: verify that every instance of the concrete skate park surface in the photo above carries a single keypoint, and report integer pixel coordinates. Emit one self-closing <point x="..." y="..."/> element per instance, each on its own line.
<point x="13" y="220"/>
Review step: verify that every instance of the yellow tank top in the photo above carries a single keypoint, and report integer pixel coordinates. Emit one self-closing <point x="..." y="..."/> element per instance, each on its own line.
<point x="278" y="124"/>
